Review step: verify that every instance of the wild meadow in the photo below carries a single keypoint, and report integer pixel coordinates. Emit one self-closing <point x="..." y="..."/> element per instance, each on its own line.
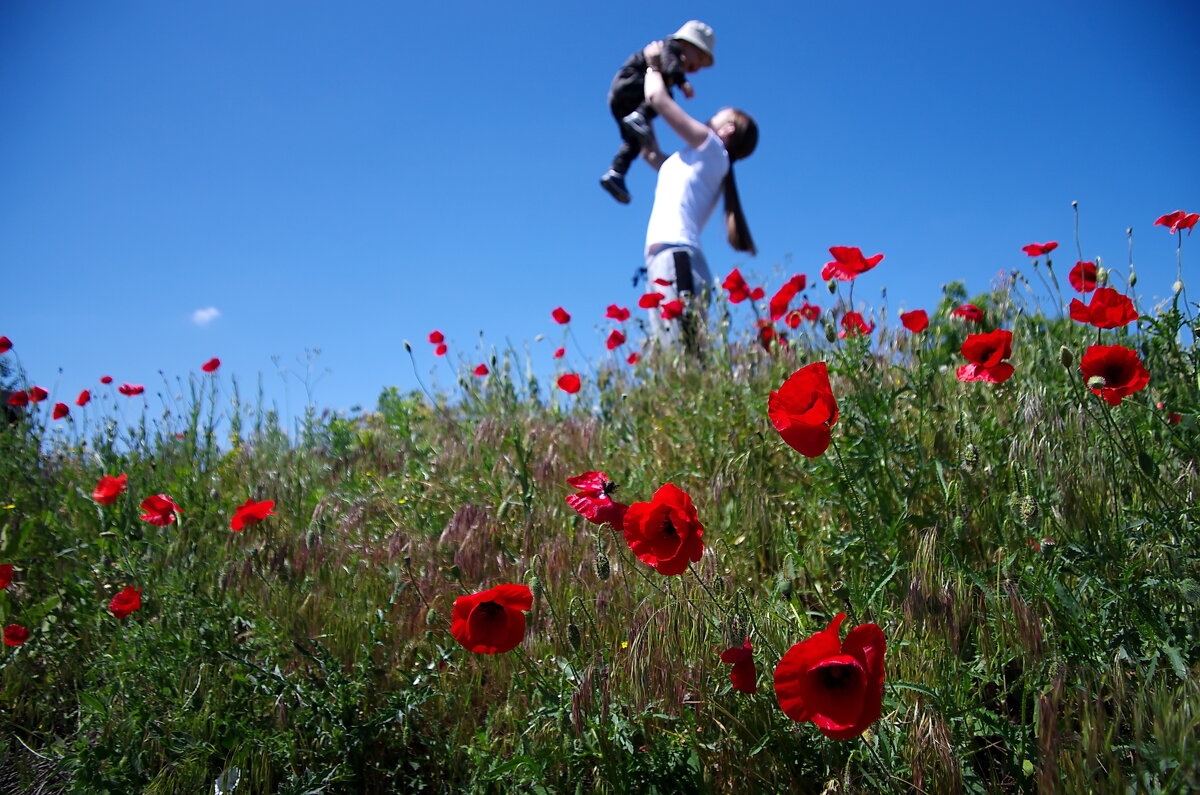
<point x="998" y="493"/>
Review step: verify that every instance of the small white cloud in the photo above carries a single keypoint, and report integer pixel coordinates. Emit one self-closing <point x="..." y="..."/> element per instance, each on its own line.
<point x="202" y="317"/>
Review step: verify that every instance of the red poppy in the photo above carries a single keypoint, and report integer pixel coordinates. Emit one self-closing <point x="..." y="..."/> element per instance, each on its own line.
<point x="6" y="575"/>
<point x="634" y="358"/>
<point x="440" y="350"/>
<point x="736" y="285"/>
<point x="15" y="635"/>
<point x="109" y="488"/>
<point x="481" y="370"/>
<point x="84" y="398"/>
<point x="672" y="309"/>
<point x="969" y="312"/>
<point x="594" y="501"/>
<point x="779" y="302"/>
<point x="1178" y="220"/>
<point x="617" y="313"/>
<point x="986" y="354"/>
<point x="106" y="379"/>
<point x="767" y="335"/>
<point x="650" y="300"/>
<point x="60" y="411"/>
<point x="126" y="602"/>
<point x="1083" y="276"/>
<point x="837" y="686"/>
<point x="131" y="389"/>
<point x="561" y="352"/>
<point x="37" y="394"/>
<point x="1108" y="309"/>
<point x="5" y="345"/>
<point x="848" y="262"/>
<point x="804" y="409"/>
<point x="793" y="318"/>
<point x="160" y="510"/>
<point x="810" y="312"/>
<point x="251" y="512"/>
<point x="211" y="365"/>
<point x="437" y="337"/>
<point x="665" y="532"/>
<point x="757" y="294"/>
<point x="1039" y="249"/>
<point x="853" y="325"/>
<point x="744" y="675"/>
<point x="18" y="398"/>
<point x="561" y="316"/>
<point x="491" y="621"/>
<point x="915" y="321"/>
<point x="1120" y="372"/>
<point x="569" y="383"/>
<point x="615" y="340"/>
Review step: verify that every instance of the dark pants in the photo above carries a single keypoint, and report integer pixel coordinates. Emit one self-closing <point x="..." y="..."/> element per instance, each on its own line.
<point x="627" y="94"/>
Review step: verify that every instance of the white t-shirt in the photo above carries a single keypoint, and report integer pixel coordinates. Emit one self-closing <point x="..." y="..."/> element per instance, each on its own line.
<point x="689" y="183"/>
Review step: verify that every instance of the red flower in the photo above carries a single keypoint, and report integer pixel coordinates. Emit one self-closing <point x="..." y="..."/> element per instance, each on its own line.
<point x="779" y="302"/>
<point x="84" y="398"/>
<point x="482" y="370"/>
<point x="15" y="635"/>
<point x="853" y="325"/>
<point x="793" y="318"/>
<point x="665" y="532"/>
<point x="1083" y="276"/>
<point x="757" y="294"/>
<point x="440" y="350"/>
<point x="160" y="510"/>
<point x="744" y="675"/>
<point x="810" y="312"/>
<point x="106" y="379"/>
<point x="1119" y="369"/>
<point x="848" y="263"/>
<point x="767" y="335"/>
<point x="60" y="411"/>
<point x="594" y="501"/>
<point x="969" y="312"/>
<point x="561" y="352"/>
<point x="491" y="621"/>
<point x="634" y="358"/>
<point x="736" y="285"/>
<point x="437" y="337"/>
<point x="986" y="353"/>
<point x="6" y="574"/>
<point x="18" y="398"/>
<point x="650" y="300"/>
<point x="915" y="321"/>
<point x="804" y="409"/>
<point x="211" y="365"/>
<point x="561" y="316"/>
<point x="569" y="383"/>
<point x="617" y="313"/>
<point x="1039" y="249"/>
<point x="838" y="686"/>
<point x="37" y="394"/>
<point x="251" y="512"/>
<point x="109" y="488"/>
<point x="1178" y="220"/>
<point x="615" y="340"/>
<point x="672" y="309"/>
<point x="1108" y="309"/>
<point x="5" y="345"/>
<point x="130" y="389"/>
<point x="126" y="602"/>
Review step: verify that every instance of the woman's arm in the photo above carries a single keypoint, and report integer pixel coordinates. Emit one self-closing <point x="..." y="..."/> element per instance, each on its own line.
<point x="693" y="132"/>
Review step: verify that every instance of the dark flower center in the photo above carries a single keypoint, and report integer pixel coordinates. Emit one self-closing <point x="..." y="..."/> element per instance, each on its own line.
<point x="668" y="527"/>
<point x="837" y="677"/>
<point x="489" y="611"/>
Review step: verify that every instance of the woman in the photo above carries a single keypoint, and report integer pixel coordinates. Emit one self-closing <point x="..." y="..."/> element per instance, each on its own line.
<point x="689" y="182"/>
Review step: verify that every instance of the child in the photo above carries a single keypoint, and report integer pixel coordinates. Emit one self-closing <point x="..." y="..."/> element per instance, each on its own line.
<point x="684" y="52"/>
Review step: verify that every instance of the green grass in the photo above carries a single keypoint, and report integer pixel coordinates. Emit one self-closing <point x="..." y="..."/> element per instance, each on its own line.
<point x="311" y="652"/>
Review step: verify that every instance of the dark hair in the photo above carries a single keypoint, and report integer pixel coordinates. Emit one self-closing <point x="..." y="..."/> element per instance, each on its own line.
<point x="740" y="144"/>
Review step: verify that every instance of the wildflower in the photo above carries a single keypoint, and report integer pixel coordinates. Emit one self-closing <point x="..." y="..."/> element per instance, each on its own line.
<point x="1039" y="249"/>
<point x="84" y="398"/>
<point x="60" y="411"/>
<point x="481" y="370"/>
<point x="569" y="383"/>
<point x="650" y="300"/>
<point x="837" y="686"/>
<point x="436" y="337"/>
<point x="491" y="621"/>
<point x="109" y="488"/>
<point x="594" y="500"/>
<point x="129" y="390"/>
<point x="804" y="410"/>
<point x="986" y="354"/>
<point x="810" y="312"/>
<point x="5" y="345"/>
<point x="744" y="675"/>
<point x="106" y="379"/>
<point x="126" y="602"/>
<point x="634" y="358"/>
<point x="757" y="294"/>
<point x="6" y="575"/>
<point x="15" y="635"/>
<point x="665" y="533"/>
<point x="251" y="512"/>
<point x="561" y="316"/>
<point x="561" y="352"/>
<point x="617" y="313"/>
<point x="19" y="398"/>
<point x="969" y="312"/>
<point x="160" y="510"/>
<point x="1113" y="372"/>
<point x="211" y="365"/>
<point x="37" y="394"/>
<point x="672" y="309"/>
<point x="440" y="350"/>
<point x="793" y="318"/>
<point x="1108" y="309"/>
<point x="779" y="302"/>
<point x="853" y="325"/>
<point x="736" y="285"/>
<point x="1084" y="277"/>
<point x="848" y="263"/>
<point x="615" y="340"/>
<point x="1178" y="220"/>
<point x="915" y="321"/>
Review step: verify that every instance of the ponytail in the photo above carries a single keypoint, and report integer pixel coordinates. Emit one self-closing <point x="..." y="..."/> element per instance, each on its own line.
<point x="740" y="145"/>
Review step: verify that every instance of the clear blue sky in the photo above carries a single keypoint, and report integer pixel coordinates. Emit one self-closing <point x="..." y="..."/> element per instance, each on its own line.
<point x="345" y="176"/>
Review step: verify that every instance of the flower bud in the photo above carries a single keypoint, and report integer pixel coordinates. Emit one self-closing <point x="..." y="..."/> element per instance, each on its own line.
<point x="841" y="590"/>
<point x="431" y="617"/>
<point x="1101" y="275"/>
<point x="830" y="332"/>
<point x="1065" y="357"/>
<point x="535" y="585"/>
<point x="831" y="285"/>
<point x="1177" y="287"/>
<point x="1132" y="276"/>
<point x="600" y="566"/>
<point x="574" y="637"/>
<point x="407" y="346"/>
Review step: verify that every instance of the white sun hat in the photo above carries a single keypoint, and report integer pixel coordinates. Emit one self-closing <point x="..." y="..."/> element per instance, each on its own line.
<point x="697" y="33"/>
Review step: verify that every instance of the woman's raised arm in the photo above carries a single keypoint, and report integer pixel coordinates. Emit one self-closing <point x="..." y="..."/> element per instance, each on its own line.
<point x="693" y="132"/>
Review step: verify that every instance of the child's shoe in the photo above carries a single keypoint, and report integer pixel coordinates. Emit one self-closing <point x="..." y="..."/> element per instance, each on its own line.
<point x="640" y="126"/>
<point x="614" y="183"/>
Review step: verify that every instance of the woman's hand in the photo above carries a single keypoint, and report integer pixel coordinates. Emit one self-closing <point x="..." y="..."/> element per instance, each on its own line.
<point x="694" y="133"/>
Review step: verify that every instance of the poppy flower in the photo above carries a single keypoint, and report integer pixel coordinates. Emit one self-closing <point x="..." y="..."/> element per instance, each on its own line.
<point x="634" y="358"/>
<point x="37" y="394"/>
<point x="804" y="409"/>
<point x="561" y="316"/>
<point x="436" y="337"/>
<point x="810" y="312"/>
<point x="1083" y="276"/>
<point x="109" y="488"/>
<point x="793" y="318"/>
<point x="5" y="345"/>
<point x="19" y="398"/>
<point x="665" y="532"/>
<point x="736" y="285"/>
<point x="84" y="398"/>
<point x="481" y="370"/>
<point x="60" y="411"/>
<point x="15" y="635"/>
<point x="1039" y="249"/>
<point x="1120" y="372"/>
<point x="617" y="313"/>
<point x="106" y="379"/>
<point x="440" y="350"/>
<point x="569" y="383"/>
<point x="130" y="390"/>
<point x="561" y="352"/>
<point x="836" y="685"/>
<point x="848" y="262"/>
<point x="853" y="325"/>
<point x="6" y="575"/>
<point x="615" y="340"/>
<point x="767" y="335"/>
<point x="160" y="510"/>
<point x="1178" y="220"/>
<point x="757" y="294"/>
<point x="672" y="309"/>
<point x="594" y="501"/>
<point x="779" y="301"/>
<point x="251" y="512"/>
<point x="969" y="312"/>
<point x="491" y="621"/>
<point x="1108" y="309"/>
<point x="650" y="300"/>
<point x="915" y="321"/>
<point x="986" y="354"/>
<point x="211" y="365"/>
<point x="744" y="675"/>
<point x="126" y="602"/>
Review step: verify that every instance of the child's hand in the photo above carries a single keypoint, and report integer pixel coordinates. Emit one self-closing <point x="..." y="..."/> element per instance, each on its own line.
<point x="687" y="89"/>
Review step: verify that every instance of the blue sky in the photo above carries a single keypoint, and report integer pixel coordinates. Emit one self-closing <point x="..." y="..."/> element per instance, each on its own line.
<point x="345" y="176"/>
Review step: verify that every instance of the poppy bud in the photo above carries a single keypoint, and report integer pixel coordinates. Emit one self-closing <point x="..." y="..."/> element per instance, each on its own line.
<point x="573" y="637"/>
<point x="1132" y="277"/>
<point x="841" y="590"/>
<point x="1177" y="287"/>
<point x="431" y="617"/>
<point x="830" y="332"/>
<point x="1101" y="276"/>
<point x="831" y="285"/>
<point x="407" y="347"/>
<point x="1096" y="382"/>
<point x="535" y="585"/>
<point x="600" y="566"/>
<point x="1066" y="357"/>
<point x="1027" y="510"/>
